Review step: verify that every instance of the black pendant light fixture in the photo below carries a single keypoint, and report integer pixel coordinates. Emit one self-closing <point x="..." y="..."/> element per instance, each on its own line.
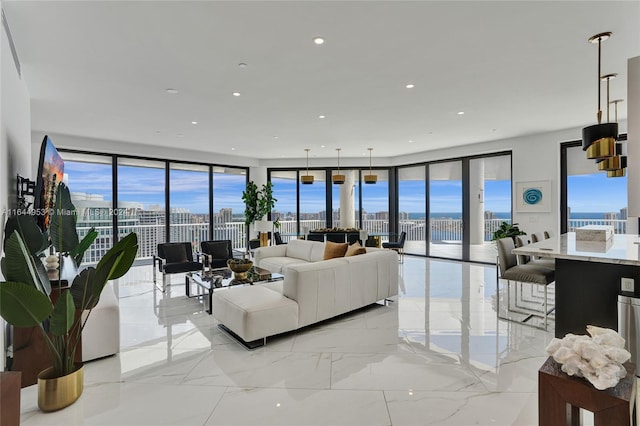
<point x="338" y="179"/>
<point x="370" y="178"/>
<point x="599" y="140"/>
<point x="307" y="179"/>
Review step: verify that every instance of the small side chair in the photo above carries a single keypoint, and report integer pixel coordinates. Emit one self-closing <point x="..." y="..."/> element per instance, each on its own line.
<point x="398" y="246"/>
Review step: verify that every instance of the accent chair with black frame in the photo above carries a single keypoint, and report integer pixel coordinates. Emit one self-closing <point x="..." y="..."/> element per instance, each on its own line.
<point x="174" y="258"/>
<point x="398" y="246"/>
<point x="216" y="253"/>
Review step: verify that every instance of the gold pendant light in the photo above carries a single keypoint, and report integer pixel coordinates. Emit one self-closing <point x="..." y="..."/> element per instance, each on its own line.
<point x="370" y="178"/>
<point x="307" y="179"/>
<point x="617" y="165"/>
<point x="338" y="179"/>
<point x="599" y="140"/>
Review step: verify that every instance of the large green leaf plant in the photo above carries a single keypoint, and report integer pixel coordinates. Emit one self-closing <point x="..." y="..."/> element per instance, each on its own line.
<point x="25" y="295"/>
<point x="259" y="202"/>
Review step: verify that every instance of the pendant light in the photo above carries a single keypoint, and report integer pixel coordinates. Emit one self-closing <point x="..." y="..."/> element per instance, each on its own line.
<point x="370" y="178"/>
<point x="617" y="164"/>
<point x="599" y="140"/>
<point x="307" y="179"/>
<point x="338" y="179"/>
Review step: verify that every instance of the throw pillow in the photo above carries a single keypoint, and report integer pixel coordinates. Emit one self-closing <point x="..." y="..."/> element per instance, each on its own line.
<point x="175" y="253"/>
<point x="333" y="250"/>
<point x="355" y="249"/>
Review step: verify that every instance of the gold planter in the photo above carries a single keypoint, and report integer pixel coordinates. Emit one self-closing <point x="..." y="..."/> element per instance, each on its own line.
<point x="55" y="393"/>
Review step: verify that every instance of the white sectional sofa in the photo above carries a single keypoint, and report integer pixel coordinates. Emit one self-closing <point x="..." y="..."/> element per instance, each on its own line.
<point x="313" y="289"/>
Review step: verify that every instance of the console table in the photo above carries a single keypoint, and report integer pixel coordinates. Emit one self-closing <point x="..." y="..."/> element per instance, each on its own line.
<point x="613" y="406"/>
<point x="588" y="276"/>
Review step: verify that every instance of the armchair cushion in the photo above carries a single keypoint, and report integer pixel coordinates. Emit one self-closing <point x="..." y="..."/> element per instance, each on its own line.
<point x="217" y="249"/>
<point x="175" y="253"/>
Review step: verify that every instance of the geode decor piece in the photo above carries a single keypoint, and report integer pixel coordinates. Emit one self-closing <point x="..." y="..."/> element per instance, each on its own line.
<point x="598" y="357"/>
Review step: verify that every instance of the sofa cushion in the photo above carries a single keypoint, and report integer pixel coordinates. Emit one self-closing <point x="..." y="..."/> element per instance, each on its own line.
<point x="278" y="264"/>
<point x="300" y="249"/>
<point x="355" y="249"/>
<point x="333" y="250"/>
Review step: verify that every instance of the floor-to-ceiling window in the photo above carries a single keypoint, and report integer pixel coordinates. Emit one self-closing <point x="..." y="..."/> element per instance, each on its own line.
<point x="412" y="207"/>
<point x="285" y="191"/>
<point x="89" y="178"/>
<point x="143" y="200"/>
<point x="489" y="203"/>
<point x="228" y="207"/>
<point x="189" y="203"/>
<point x="445" y="209"/>
<point x="375" y="205"/>
<point x="591" y="198"/>
<point x="313" y="201"/>
<point x="141" y="187"/>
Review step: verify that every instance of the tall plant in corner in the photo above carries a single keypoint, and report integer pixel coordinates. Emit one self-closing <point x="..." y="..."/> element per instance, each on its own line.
<point x="258" y="204"/>
<point x="25" y="296"/>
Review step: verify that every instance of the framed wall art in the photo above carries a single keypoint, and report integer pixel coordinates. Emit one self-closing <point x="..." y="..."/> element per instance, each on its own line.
<point x="533" y="197"/>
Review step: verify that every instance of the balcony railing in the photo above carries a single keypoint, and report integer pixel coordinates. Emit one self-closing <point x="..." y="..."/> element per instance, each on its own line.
<point x="442" y="229"/>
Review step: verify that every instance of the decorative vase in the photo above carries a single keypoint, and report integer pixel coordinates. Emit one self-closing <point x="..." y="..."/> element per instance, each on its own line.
<point x="239" y="269"/>
<point x="55" y="393"/>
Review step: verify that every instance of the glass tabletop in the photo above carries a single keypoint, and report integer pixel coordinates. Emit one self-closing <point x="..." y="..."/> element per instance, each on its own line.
<point x="223" y="277"/>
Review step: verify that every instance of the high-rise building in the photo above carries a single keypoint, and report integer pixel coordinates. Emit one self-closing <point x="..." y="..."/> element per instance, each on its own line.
<point x="624" y="213"/>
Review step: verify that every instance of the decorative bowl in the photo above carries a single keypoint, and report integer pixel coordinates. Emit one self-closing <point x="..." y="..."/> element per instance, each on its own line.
<point x="239" y="267"/>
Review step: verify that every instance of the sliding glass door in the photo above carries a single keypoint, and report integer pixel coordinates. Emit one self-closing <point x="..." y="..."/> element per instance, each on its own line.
<point x="445" y="209"/>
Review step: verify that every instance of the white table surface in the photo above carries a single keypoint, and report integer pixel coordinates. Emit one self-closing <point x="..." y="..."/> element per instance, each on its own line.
<point x="623" y="249"/>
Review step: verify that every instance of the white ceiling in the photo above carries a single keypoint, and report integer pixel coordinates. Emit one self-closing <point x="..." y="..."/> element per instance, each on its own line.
<point x="101" y="70"/>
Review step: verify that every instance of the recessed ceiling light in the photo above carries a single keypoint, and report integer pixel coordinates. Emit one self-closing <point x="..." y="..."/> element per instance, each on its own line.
<point x="410" y="141"/>
<point x="172" y="91"/>
<point x="410" y="86"/>
<point x="194" y="122"/>
<point x="460" y="112"/>
<point x="276" y="137"/>
<point x="233" y="149"/>
<point x="321" y="116"/>
<point x="318" y="40"/>
<point x="321" y="146"/>
<point x="236" y="93"/>
<point x="242" y="65"/>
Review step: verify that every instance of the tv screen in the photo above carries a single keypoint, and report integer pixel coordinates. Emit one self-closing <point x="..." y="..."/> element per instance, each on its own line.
<point x="50" y="174"/>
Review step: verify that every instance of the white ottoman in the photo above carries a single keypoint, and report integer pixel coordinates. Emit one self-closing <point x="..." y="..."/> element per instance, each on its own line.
<point x="101" y="333"/>
<point x="255" y="312"/>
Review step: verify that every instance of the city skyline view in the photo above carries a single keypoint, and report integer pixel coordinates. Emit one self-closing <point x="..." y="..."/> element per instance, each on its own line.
<point x="592" y="193"/>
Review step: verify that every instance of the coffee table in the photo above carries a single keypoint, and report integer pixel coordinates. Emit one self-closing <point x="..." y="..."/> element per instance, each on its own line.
<point x="216" y="279"/>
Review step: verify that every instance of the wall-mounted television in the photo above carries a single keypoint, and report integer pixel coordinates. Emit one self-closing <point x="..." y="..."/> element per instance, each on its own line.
<point x="50" y="174"/>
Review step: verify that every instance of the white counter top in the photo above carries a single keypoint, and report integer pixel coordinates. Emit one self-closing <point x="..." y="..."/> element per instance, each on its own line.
<point x="623" y="249"/>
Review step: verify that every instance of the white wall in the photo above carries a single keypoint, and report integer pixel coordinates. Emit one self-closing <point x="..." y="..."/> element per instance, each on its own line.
<point x="15" y="146"/>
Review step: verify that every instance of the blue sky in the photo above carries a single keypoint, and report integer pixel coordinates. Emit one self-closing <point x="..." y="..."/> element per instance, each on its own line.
<point x="189" y="189"/>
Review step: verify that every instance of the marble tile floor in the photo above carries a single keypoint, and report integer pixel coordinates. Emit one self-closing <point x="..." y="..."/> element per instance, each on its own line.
<point x="437" y="355"/>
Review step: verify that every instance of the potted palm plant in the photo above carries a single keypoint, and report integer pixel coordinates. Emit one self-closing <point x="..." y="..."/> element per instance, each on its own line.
<point x="26" y="295"/>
